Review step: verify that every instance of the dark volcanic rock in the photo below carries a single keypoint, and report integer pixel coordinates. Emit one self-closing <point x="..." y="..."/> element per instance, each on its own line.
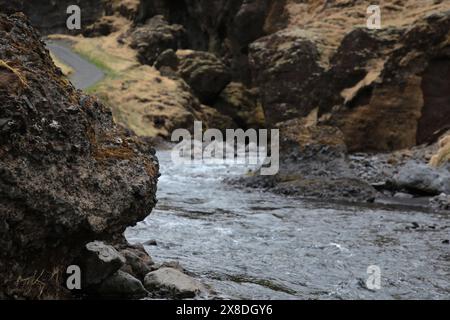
<point x="98" y="262"/>
<point x="241" y="105"/>
<point x="172" y="283"/>
<point x="222" y="27"/>
<point x="121" y="285"/>
<point x="204" y="73"/>
<point x="384" y="89"/>
<point x="137" y="262"/>
<point x="313" y="164"/>
<point x="421" y="178"/>
<point x="102" y="27"/>
<point x="68" y="174"/>
<point x="284" y="66"/>
<point x="155" y="37"/>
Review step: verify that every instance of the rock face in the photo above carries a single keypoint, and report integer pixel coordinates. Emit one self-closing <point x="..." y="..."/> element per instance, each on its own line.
<point x="222" y="27"/>
<point x="155" y="37"/>
<point x="384" y="89"/>
<point x="204" y="73"/>
<point x="284" y="66"/>
<point x="122" y="285"/>
<point x="314" y="164"/>
<point x="68" y="174"/>
<point x="99" y="262"/>
<point x="241" y="105"/>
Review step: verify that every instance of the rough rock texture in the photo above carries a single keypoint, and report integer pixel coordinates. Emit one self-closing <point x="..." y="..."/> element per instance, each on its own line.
<point x="172" y="283"/>
<point x="385" y="89"/>
<point x="155" y="37"/>
<point x="121" y="285"/>
<point x="284" y="66"/>
<point x="204" y="73"/>
<point x="50" y="16"/>
<point x="441" y="202"/>
<point x="218" y="26"/>
<point x="313" y="165"/>
<point x="137" y="262"/>
<point x="241" y="105"/>
<point x="99" y="262"/>
<point x="101" y="27"/>
<point x="68" y="174"/>
<point x="126" y="8"/>
<point x="421" y="178"/>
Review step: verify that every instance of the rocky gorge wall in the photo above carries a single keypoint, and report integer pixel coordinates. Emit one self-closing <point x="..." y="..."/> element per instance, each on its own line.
<point x="381" y="88"/>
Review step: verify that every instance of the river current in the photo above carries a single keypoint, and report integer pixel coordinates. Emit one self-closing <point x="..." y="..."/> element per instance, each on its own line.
<point x="249" y="244"/>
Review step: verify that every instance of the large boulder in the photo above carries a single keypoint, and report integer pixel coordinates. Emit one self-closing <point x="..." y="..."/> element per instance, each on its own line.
<point x="68" y="174"/>
<point x="313" y="164"/>
<point x="206" y="74"/>
<point x="423" y="179"/>
<point x="156" y="36"/>
<point x="99" y="261"/>
<point x="222" y="27"/>
<point x="285" y="66"/>
<point x="241" y="105"/>
<point x="172" y="283"/>
<point x="121" y="285"/>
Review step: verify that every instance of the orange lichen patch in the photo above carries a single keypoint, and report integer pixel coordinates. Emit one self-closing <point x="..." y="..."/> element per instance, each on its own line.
<point x="102" y="152"/>
<point x="11" y="79"/>
<point x="151" y="169"/>
<point x="120" y="152"/>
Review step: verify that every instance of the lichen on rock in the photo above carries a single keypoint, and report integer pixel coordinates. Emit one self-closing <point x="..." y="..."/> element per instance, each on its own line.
<point x="68" y="174"/>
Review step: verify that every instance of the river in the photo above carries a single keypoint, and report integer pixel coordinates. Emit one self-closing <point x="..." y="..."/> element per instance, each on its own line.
<point x="257" y="245"/>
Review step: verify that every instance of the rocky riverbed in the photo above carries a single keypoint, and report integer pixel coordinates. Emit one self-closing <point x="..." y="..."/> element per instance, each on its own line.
<point x="251" y="244"/>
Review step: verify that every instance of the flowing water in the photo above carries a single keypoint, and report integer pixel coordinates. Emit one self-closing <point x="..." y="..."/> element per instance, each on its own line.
<point x="249" y="244"/>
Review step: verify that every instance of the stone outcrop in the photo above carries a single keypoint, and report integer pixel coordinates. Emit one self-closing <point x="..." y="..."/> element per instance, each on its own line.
<point x="204" y="73"/>
<point x="68" y="174"/>
<point x="241" y="104"/>
<point x="156" y="36"/>
<point x="384" y="89"/>
<point x="169" y="282"/>
<point x="314" y="164"/>
<point x="423" y="179"/>
<point x="284" y="66"/>
<point x="222" y="27"/>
